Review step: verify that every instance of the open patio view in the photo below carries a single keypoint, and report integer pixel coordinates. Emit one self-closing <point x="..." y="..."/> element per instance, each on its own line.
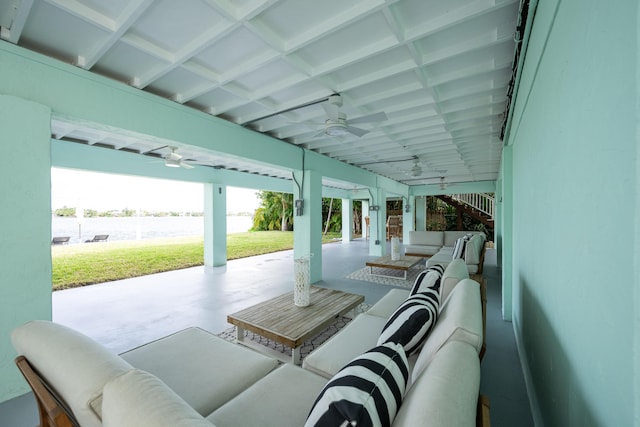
<point x="380" y="112"/>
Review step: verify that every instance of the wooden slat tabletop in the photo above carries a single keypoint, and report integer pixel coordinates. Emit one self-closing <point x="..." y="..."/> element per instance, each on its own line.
<point x="404" y="263"/>
<point x="282" y="321"/>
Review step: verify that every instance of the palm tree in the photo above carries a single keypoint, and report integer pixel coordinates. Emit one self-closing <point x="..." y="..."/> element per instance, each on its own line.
<point x="275" y="212"/>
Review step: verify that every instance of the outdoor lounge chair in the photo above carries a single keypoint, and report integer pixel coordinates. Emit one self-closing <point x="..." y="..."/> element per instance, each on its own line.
<point x="60" y="240"/>
<point x="98" y="238"/>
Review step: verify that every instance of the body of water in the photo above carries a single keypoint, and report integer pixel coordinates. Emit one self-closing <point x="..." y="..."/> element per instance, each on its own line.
<point x="134" y="228"/>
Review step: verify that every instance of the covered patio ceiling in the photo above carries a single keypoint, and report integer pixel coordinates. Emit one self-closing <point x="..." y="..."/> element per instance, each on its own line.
<point x="423" y="85"/>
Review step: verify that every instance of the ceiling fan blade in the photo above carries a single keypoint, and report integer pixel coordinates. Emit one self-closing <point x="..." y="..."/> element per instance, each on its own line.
<point x="331" y="110"/>
<point x="357" y="131"/>
<point x="186" y="165"/>
<point x="319" y="133"/>
<point x="375" y="117"/>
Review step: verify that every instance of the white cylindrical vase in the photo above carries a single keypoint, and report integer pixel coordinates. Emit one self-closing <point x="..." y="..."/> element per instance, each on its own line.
<point x="396" y="251"/>
<point x="301" y="282"/>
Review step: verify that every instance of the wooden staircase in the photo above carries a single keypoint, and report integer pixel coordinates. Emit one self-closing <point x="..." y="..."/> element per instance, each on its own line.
<point x="478" y="207"/>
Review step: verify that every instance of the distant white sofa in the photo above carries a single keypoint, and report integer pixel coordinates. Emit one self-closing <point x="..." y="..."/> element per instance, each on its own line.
<point x="439" y="247"/>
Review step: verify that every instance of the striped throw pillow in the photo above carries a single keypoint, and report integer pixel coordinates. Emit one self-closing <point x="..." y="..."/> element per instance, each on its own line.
<point x="366" y="392"/>
<point x="411" y="323"/>
<point x="429" y="278"/>
<point x="461" y="245"/>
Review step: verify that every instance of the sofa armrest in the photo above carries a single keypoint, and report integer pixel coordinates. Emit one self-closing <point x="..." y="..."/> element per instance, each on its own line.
<point x="54" y="350"/>
<point x="52" y="410"/>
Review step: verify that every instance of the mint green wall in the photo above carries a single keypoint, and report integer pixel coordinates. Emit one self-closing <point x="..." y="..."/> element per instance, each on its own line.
<point x="25" y="227"/>
<point x="575" y="240"/>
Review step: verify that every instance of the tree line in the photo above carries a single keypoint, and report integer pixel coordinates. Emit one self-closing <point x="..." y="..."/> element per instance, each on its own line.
<point x="71" y="212"/>
<point x="276" y="212"/>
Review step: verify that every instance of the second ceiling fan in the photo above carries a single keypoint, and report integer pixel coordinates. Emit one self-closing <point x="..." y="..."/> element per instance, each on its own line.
<point x="337" y="124"/>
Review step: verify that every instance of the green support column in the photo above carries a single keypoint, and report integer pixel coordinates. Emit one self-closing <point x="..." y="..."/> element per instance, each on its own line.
<point x="25" y="192"/>
<point x="507" y="232"/>
<point x="377" y="218"/>
<point x="421" y="213"/>
<point x="307" y="228"/>
<point x="497" y="227"/>
<point x="215" y="225"/>
<point x="347" y="220"/>
<point x="365" y="215"/>
<point x="408" y="218"/>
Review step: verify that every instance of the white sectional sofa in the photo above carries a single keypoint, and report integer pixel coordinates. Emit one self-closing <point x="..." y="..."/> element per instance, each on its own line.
<point x="439" y="246"/>
<point x="194" y="378"/>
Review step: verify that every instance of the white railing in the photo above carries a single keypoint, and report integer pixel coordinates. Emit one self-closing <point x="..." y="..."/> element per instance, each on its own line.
<point x="479" y="201"/>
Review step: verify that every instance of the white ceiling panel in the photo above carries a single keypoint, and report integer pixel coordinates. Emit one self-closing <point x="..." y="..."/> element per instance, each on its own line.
<point x="438" y="69"/>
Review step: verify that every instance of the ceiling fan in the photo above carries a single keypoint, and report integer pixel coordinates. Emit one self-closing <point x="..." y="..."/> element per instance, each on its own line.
<point x="337" y="124"/>
<point x="175" y="160"/>
<point x="416" y="169"/>
<point x="443" y="183"/>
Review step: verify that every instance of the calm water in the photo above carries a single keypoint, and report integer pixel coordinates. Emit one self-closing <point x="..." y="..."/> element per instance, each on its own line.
<point x="133" y="228"/>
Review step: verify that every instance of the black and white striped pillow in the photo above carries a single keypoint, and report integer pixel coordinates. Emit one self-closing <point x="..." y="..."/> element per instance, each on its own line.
<point x="461" y="245"/>
<point x="411" y="323"/>
<point x="366" y="392"/>
<point x="429" y="278"/>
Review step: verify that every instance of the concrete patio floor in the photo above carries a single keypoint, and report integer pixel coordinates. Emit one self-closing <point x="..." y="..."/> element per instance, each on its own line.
<point x="127" y="313"/>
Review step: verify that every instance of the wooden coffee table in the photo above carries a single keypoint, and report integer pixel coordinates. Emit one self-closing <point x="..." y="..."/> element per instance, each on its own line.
<point x="404" y="264"/>
<point x="282" y="321"/>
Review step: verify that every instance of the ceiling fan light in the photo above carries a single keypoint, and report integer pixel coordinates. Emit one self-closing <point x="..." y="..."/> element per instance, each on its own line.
<point x="172" y="163"/>
<point x="336" y="129"/>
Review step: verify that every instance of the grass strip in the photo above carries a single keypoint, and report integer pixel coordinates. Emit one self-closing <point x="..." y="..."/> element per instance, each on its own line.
<point x="88" y="264"/>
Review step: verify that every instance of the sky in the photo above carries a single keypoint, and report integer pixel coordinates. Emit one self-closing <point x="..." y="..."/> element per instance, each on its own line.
<point x="103" y="192"/>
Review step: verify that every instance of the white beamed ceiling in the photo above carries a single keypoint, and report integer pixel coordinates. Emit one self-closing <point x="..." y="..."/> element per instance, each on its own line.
<point x="439" y="69"/>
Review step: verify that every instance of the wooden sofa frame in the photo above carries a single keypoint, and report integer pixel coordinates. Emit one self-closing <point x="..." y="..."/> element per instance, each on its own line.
<point x="52" y="410"/>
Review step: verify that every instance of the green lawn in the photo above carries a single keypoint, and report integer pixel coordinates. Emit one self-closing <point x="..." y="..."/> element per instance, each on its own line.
<point x="87" y="264"/>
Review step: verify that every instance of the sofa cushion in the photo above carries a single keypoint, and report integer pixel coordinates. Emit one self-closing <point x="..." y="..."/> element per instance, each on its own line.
<point x="354" y="339"/>
<point x="474" y="249"/>
<point x="75" y="365"/>
<point x="211" y="373"/>
<point x="139" y="399"/>
<point x="446" y="392"/>
<point x="388" y="303"/>
<point x="460" y="320"/>
<point x="426" y="238"/>
<point x="411" y="323"/>
<point x="366" y="392"/>
<point x="443" y="257"/>
<point x="283" y="398"/>
<point x="455" y="272"/>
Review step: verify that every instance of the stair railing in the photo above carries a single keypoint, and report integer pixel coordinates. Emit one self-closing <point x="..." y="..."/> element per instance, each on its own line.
<point x="479" y="201"/>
